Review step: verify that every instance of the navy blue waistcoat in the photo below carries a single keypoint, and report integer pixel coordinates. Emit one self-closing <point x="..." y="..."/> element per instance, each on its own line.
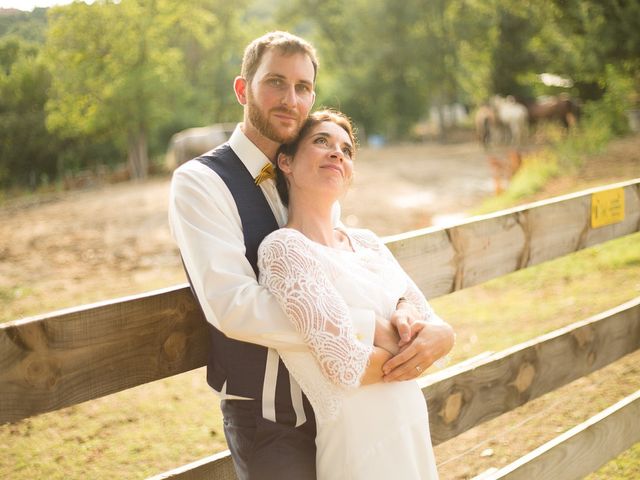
<point x="240" y="364"/>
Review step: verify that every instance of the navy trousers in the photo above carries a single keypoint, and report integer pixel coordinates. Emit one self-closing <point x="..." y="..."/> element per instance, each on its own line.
<point x="265" y="450"/>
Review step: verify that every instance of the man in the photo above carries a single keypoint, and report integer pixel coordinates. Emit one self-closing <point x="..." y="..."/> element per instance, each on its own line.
<point x="221" y="207"/>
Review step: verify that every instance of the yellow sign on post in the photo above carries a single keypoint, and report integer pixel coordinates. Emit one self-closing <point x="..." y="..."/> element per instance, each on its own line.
<point x="607" y="207"/>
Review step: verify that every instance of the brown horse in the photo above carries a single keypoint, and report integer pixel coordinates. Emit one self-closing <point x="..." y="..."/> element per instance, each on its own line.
<point x="561" y="108"/>
<point x="485" y="121"/>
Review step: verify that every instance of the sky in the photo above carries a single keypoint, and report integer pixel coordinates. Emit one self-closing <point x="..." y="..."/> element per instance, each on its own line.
<point x="29" y="5"/>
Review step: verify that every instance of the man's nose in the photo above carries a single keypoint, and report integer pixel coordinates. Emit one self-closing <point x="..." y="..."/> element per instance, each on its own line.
<point x="289" y="96"/>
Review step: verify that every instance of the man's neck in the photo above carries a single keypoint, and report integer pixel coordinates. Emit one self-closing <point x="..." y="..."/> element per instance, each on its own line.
<point x="266" y="146"/>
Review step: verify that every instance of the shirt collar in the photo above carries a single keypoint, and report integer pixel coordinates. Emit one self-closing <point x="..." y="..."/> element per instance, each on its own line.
<point x="247" y="152"/>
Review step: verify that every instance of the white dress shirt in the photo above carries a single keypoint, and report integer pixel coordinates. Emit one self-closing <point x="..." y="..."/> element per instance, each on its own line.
<point x="206" y="225"/>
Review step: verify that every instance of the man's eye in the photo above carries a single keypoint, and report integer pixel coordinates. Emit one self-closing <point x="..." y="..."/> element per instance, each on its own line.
<point x="276" y="82"/>
<point x="302" y="88"/>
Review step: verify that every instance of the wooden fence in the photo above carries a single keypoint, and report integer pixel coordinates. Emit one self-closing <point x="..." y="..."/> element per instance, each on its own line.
<point x="67" y="357"/>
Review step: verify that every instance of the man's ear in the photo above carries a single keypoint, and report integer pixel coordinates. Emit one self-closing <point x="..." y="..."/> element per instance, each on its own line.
<point x="284" y="162"/>
<point x="240" y="88"/>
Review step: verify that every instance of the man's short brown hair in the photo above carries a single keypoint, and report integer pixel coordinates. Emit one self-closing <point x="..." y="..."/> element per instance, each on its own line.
<point x="285" y="42"/>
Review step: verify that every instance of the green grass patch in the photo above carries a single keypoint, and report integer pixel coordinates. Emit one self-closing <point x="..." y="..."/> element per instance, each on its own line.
<point x="624" y="467"/>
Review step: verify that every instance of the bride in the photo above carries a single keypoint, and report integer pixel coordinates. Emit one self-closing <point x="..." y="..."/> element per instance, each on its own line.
<point x="367" y="428"/>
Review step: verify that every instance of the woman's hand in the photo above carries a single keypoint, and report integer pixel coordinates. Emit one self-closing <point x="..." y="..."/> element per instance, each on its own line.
<point x="406" y="319"/>
<point x="432" y="342"/>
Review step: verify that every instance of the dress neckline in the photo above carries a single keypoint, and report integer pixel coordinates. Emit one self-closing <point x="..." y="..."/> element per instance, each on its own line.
<point x="352" y="244"/>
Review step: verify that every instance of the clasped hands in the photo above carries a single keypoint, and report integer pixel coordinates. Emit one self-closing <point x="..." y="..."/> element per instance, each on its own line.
<point x="412" y="343"/>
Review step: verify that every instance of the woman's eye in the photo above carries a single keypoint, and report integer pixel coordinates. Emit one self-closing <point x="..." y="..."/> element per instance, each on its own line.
<point x="347" y="152"/>
<point x="321" y="140"/>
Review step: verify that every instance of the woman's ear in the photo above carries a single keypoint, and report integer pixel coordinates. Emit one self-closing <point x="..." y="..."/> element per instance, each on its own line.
<point x="284" y="162"/>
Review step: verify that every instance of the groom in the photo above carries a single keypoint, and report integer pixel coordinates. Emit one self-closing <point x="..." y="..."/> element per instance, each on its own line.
<point x="221" y="206"/>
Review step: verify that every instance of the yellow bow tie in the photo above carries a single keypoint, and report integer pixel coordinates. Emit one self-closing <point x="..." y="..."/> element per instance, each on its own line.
<point x="267" y="172"/>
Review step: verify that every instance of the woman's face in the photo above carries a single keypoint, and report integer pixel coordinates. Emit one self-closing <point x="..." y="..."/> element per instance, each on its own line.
<point x="323" y="162"/>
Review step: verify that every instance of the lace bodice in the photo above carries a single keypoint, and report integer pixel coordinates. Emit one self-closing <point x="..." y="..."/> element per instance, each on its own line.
<point x="316" y="285"/>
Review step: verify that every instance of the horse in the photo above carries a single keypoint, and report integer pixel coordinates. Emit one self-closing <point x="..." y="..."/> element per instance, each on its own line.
<point x="192" y="142"/>
<point x="512" y="117"/>
<point x="561" y="108"/>
<point x="485" y="121"/>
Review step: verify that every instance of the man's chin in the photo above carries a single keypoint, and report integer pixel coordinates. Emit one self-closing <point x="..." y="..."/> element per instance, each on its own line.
<point x="285" y="135"/>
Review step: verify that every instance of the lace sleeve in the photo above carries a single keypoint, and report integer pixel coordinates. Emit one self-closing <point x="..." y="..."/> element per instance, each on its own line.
<point x="290" y="270"/>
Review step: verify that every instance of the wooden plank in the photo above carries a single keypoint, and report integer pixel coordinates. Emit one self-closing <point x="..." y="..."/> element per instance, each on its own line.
<point x="583" y="449"/>
<point x="444" y="260"/>
<point x="461" y="398"/>
<point x="218" y="467"/>
<point x="74" y="355"/>
<point x="488" y="385"/>
<point x="67" y="357"/>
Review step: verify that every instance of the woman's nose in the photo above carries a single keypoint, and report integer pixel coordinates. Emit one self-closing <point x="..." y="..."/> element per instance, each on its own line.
<point x="337" y="152"/>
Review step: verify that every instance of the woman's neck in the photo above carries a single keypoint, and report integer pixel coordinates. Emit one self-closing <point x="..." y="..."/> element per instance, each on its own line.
<point x="313" y="219"/>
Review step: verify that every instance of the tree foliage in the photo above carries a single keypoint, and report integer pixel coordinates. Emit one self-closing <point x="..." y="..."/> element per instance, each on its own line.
<point x="113" y="72"/>
<point x="27" y="150"/>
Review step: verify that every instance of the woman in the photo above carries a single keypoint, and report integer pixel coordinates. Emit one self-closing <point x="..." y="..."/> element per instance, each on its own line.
<point x="367" y="429"/>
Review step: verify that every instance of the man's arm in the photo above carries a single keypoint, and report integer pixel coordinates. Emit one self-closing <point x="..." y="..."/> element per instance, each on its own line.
<point x="205" y="224"/>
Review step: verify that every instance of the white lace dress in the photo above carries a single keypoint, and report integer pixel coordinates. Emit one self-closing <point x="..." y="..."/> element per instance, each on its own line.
<point x="371" y="432"/>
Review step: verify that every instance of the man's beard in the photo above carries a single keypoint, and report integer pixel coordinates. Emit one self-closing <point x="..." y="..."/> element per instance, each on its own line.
<point x="260" y="121"/>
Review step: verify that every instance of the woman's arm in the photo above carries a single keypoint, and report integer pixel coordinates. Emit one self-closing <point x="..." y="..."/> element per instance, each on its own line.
<point x="293" y="274"/>
<point x="374" y="373"/>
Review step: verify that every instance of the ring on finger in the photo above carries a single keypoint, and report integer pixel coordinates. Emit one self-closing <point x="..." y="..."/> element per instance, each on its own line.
<point x="418" y="368"/>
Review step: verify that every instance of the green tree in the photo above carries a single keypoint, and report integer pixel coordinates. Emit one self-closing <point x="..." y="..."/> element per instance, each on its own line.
<point x="367" y="55"/>
<point x="28" y="152"/>
<point x="211" y="35"/>
<point x="386" y="62"/>
<point x="114" y="74"/>
<point x="29" y="26"/>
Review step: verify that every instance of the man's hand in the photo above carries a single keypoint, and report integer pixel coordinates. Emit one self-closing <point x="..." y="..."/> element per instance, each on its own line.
<point x="432" y="342"/>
